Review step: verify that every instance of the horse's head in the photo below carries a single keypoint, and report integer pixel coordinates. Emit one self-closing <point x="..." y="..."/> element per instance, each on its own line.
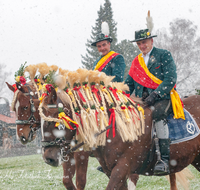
<point x="56" y="137"/>
<point x="25" y="104"/>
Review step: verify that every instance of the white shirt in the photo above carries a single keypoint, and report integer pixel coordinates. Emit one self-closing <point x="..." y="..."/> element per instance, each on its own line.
<point x="146" y="57"/>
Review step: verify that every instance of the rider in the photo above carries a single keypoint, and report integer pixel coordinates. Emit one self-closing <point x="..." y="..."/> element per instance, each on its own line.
<point x="110" y="62"/>
<point x="152" y="77"/>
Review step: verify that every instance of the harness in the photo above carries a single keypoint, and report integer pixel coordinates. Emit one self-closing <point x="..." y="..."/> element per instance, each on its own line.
<point x="61" y="142"/>
<point x="64" y="144"/>
<point x="31" y="120"/>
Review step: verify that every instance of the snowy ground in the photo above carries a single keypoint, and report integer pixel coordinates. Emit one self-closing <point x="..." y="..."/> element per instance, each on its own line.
<point x="30" y="172"/>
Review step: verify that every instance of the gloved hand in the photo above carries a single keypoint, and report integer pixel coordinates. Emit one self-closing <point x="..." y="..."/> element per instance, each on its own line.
<point x="150" y="100"/>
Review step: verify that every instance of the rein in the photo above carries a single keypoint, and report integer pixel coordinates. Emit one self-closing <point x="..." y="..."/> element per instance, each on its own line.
<point x="81" y="144"/>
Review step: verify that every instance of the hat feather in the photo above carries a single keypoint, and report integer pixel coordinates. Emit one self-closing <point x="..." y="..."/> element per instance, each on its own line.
<point x="105" y="28"/>
<point x="149" y="22"/>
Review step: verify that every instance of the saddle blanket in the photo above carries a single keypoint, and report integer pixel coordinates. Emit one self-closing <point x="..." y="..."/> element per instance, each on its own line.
<point x="182" y="130"/>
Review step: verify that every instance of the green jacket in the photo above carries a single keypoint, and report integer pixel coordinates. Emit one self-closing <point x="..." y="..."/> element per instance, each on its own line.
<point x="162" y="66"/>
<point x="115" y="68"/>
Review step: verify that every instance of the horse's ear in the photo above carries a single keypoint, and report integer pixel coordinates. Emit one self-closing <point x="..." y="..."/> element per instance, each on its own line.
<point x="10" y="87"/>
<point x="52" y="96"/>
<point x="19" y="87"/>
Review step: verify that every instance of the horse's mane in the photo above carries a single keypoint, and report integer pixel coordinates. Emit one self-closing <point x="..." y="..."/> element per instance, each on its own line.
<point x="91" y="104"/>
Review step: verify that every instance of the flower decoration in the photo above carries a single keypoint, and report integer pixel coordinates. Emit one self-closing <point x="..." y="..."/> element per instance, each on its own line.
<point x="48" y="87"/>
<point x="20" y="79"/>
<point x="19" y="75"/>
<point x="145" y="34"/>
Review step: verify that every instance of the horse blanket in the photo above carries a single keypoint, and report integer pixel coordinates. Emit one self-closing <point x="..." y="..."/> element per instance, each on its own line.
<point x="182" y="130"/>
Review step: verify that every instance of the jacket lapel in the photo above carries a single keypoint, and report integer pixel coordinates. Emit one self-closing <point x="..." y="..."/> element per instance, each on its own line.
<point x="152" y="59"/>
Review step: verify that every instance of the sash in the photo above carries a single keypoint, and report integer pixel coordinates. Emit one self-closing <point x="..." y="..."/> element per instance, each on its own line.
<point x="140" y="73"/>
<point x="105" y="60"/>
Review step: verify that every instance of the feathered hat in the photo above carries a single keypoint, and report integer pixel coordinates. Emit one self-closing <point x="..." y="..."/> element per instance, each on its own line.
<point x="104" y="35"/>
<point x="145" y="33"/>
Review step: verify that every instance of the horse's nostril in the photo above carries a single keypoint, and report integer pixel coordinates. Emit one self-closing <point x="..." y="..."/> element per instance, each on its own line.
<point x="51" y="162"/>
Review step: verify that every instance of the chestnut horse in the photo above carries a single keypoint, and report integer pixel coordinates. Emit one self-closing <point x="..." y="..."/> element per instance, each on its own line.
<point x="119" y="159"/>
<point x="25" y="104"/>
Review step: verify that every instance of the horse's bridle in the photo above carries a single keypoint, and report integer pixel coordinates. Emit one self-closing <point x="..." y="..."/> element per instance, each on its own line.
<point x="31" y="120"/>
<point x="63" y="144"/>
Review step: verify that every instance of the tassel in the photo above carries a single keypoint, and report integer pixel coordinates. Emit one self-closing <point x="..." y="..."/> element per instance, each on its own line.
<point x="86" y="88"/>
<point x="111" y="120"/>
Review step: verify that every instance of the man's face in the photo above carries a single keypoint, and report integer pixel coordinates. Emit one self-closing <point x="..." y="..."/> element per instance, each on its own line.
<point x="145" y="46"/>
<point x="103" y="47"/>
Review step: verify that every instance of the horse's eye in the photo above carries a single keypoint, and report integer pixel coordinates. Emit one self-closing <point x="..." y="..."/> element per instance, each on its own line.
<point x="26" y="107"/>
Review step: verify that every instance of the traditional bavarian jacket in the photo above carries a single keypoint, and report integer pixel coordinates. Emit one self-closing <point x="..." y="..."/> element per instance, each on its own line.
<point x="115" y="67"/>
<point x="162" y="66"/>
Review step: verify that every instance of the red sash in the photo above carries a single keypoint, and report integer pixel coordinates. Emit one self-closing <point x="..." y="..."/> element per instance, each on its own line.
<point x="114" y="54"/>
<point x="140" y="76"/>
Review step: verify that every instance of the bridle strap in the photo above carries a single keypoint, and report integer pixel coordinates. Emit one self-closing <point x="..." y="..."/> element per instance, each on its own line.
<point x="31" y="120"/>
<point x="57" y="142"/>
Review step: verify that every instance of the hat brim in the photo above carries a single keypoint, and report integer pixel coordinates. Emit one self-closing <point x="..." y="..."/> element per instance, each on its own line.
<point x="140" y="39"/>
<point x="108" y="39"/>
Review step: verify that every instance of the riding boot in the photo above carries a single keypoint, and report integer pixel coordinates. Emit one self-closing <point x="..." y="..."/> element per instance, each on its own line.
<point x="162" y="165"/>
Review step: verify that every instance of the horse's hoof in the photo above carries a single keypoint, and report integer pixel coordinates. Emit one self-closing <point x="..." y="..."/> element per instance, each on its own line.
<point x="99" y="168"/>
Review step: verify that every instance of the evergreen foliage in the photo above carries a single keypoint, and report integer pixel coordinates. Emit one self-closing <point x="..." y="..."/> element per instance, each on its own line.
<point x="127" y="49"/>
<point x="20" y="72"/>
<point x="104" y="14"/>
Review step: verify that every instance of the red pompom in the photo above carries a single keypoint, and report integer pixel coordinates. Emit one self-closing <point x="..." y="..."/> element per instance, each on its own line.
<point x="48" y="87"/>
<point x="22" y="80"/>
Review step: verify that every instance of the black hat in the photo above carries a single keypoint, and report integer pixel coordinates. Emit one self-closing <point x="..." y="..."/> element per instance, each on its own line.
<point x="100" y="37"/>
<point x="142" y="35"/>
<point x="104" y="35"/>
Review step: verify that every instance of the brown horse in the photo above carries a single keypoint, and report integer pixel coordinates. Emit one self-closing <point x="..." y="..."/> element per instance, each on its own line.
<point x="25" y="104"/>
<point x="121" y="160"/>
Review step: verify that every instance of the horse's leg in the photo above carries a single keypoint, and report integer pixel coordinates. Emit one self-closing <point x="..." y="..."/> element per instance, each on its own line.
<point x="118" y="178"/>
<point x="81" y="160"/>
<point x="133" y="178"/>
<point x="172" y="178"/>
<point x="196" y="162"/>
<point x="68" y="173"/>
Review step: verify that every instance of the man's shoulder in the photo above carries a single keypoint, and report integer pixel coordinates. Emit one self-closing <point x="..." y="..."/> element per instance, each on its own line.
<point x="118" y="56"/>
<point x="159" y="51"/>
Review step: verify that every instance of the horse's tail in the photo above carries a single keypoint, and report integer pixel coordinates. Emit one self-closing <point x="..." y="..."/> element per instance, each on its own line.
<point x="183" y="176"/>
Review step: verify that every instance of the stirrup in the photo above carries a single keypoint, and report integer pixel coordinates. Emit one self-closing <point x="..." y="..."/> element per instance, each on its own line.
<point x="161" y="168"/>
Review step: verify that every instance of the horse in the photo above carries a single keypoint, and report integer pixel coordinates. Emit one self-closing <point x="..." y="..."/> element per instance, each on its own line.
<point x="25" y="103"/>
<point x="119" y="159"/>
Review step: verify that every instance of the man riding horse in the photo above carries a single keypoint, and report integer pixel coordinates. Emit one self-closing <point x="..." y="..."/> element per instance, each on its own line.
<point x="153" y="77"/>
<point x="110" y="62"/>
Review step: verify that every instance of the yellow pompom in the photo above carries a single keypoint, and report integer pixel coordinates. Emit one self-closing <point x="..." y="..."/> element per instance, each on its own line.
<point x="17" y="78"/>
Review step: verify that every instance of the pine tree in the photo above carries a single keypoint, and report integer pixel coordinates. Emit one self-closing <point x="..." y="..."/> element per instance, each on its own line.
<point x="104" y="14"/>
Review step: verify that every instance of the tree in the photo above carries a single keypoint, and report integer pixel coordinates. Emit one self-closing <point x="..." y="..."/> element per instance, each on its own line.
<point x="184" y="45"/>
<point x="104" y="14"/>
<point x="4" y="91"/>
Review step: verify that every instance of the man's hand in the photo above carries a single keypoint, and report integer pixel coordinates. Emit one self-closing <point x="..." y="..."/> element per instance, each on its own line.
<point x="150" y="100"/>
